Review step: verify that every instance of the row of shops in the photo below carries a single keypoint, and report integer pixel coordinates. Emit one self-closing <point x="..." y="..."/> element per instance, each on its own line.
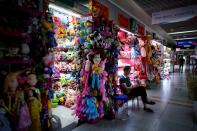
<point x="55" y="56"/>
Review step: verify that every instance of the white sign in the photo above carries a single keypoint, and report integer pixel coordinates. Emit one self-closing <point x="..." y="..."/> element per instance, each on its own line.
<point x="174" y="15"/>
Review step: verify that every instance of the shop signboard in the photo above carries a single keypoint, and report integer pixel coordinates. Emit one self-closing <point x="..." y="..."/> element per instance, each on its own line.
<point x="186" y="43"/>
<point x="140" y="29"/>
<point x="123" y="21"/>
<point x="174" y="15"/>
<point x="133" y="25"/>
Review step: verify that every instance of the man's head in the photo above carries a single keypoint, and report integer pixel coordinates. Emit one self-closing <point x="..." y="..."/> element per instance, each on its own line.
<point x="127" y="70"/>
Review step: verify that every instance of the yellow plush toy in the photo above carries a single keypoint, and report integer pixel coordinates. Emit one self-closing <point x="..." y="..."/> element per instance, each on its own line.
<point x="148" y="48"/>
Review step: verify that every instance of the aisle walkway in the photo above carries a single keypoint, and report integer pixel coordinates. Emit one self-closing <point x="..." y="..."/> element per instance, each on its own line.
<point x="173" y="111"/>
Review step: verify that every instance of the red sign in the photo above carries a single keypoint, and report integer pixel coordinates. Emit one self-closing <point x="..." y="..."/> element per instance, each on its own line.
<point x="99" y="9"/>
<point x="123" y="21"/>
<point x="140" y="29"/>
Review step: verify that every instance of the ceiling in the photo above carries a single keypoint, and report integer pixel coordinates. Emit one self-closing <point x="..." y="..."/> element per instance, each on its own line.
<point x="151" y="6"/>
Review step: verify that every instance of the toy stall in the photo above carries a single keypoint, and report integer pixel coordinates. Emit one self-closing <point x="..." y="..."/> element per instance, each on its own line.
<point x="134" y="53"/>
<point x="25" y="63"/>
<point x="166" y="64"/>
<point x="156" y="61"/>
<point x="99" y="51"/>
<point x="66" y="67"/>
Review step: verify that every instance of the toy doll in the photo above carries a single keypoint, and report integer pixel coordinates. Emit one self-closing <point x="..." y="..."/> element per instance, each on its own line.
<point x="35" y="108"/>
<point x="24" y="119"/>
<point x="32" y="81"/>
<point x="96" y="70"/>
<point x="85" y="72"/>
<point x="15" y="103"/>
<point x="25" y="51"/>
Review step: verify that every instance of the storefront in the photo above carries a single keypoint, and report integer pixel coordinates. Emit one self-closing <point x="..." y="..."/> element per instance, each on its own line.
<point x="73" y="60"/>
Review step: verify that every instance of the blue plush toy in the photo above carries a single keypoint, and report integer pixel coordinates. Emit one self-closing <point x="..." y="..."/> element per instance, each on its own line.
<point x="91" y="110"/>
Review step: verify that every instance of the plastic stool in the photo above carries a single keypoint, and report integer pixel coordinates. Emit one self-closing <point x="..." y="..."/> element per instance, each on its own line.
<point x="124" y="99"/>
<point x="134" y="106"/>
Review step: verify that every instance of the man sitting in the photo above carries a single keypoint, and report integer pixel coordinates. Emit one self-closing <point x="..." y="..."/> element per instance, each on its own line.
<point x="132" y="92"/>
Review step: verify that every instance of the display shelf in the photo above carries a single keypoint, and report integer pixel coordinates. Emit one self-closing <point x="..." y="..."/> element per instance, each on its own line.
<point x="15" y="61"/>
<point x="12" y="34"/>
<point x="21" y="11"/>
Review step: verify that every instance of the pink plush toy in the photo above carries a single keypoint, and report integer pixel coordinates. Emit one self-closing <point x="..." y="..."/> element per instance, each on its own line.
<point x="48" y="61"/>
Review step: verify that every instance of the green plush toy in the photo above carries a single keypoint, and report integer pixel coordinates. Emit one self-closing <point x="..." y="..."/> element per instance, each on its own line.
<point x="55" y="101"/>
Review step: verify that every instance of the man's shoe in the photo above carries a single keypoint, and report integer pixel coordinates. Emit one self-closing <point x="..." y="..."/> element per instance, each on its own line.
<point x="150" y="102"/>
<point x="148" y="110"/>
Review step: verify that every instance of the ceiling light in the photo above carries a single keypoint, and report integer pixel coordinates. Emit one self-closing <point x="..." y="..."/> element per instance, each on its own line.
<point x="63" y="10"/>
<point x="183" y="32"/>
<point x="189" y="38"/>
<point x="126" y="31"/>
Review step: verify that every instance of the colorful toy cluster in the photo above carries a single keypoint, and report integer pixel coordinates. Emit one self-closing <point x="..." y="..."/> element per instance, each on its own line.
<point x="143" y="57"/>
<point x="66" y="66"/>
<point x="25" y="95"/>
<point x="99" y="65"/>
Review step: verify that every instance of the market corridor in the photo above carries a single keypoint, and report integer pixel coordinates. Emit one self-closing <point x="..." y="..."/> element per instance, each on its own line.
<point x="173" y="111"/>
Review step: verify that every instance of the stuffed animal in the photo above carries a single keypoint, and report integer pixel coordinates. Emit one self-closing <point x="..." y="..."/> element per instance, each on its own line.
<point x="91" y="110"/>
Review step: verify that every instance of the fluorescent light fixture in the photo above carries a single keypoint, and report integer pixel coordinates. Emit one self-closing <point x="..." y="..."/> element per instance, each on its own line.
<point x="154" y="42"/>
<point x="183" y="32"/>
<point x="126" y="31"/>
<point x="186" y="38"/>
<point x="63" y="10"/>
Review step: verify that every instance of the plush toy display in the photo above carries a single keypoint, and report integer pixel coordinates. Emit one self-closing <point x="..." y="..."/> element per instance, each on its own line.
<point x="99" y="54"/>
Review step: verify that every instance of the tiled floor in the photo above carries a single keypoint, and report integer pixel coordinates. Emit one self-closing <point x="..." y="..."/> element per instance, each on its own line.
<point x="173" y="111"/>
